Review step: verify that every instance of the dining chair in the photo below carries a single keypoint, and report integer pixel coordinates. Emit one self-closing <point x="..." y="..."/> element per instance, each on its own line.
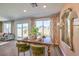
<point x="38" y="50"/>
<point x="22" y="47"/>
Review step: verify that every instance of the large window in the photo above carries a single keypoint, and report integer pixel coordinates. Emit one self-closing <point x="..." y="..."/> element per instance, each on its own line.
<point x="7" y="27"/>
<point x="44" y="27"/>
<point x="22" y="30"/>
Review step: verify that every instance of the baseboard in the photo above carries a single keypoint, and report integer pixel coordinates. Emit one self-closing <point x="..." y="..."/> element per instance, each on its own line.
<point x="62" y="51"/>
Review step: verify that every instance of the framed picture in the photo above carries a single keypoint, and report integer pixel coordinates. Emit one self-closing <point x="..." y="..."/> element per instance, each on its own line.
<point x="67" y="30"/>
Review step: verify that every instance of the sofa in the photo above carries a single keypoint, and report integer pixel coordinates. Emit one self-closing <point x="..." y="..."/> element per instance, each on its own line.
<point x="7" y="36"/>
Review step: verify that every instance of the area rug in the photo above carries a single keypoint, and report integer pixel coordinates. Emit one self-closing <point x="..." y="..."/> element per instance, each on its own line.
<point x="3" y="43"/>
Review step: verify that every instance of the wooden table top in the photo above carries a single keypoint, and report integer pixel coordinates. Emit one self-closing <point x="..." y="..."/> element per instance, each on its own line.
<point x="35" y="42"/>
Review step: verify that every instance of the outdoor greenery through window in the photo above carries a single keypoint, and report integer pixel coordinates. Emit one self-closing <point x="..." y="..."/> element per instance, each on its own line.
<point x="44" y="27"/>
<point x="22" y="30"/>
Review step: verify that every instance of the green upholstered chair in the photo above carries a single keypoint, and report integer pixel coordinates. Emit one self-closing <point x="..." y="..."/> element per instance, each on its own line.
<point x="38" y="50"/>
<point x="22" y="47"/>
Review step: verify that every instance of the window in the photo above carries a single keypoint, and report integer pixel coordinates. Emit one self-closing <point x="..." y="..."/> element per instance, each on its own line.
<point x="22" y="30"/>
<point x="7" y="27"/>
<point x="44" y="27"/>
<point x="25" y="30"/>
<point x="39" y="25"/>
<point x="19" y="30"/>
<point x="47" y="28"/>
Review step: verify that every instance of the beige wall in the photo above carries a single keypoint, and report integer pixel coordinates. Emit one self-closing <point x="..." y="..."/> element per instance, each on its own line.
<point x="55" y="29"/>
<point x="66" y="49"/>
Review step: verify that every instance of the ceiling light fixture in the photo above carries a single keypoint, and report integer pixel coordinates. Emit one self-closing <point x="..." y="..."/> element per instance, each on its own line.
<point x="25" y="10"/>
<point x="34" y="5"/>
<point x="44" y="6"/>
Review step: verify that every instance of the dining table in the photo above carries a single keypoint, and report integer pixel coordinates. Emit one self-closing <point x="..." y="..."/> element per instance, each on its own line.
<point x="47" y="44"/>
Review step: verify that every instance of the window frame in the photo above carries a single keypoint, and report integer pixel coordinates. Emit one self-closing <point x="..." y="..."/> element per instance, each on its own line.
<point x="21" y="29"/>
<point x="44" y="19"/>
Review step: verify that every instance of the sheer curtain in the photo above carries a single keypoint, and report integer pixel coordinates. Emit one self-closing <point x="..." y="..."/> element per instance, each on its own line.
<point x="7" y="27"/>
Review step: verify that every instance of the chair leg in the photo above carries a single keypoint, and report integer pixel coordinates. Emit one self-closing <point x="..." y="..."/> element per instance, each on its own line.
<point x="18" y="51"/>
<point x="24" y="53"/>
<point x="30" y="51"/>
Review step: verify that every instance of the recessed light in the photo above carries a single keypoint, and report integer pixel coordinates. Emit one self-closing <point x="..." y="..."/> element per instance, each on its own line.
<point x="25" y="10"/>
<point x="44" y="6"/>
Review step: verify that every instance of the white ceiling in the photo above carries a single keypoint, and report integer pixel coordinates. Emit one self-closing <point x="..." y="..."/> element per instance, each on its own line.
<point x="13" y="11"/>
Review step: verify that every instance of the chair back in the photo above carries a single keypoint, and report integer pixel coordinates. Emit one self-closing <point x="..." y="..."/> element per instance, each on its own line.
<point x="38" y="50"/>
<point x="23" y="47"/>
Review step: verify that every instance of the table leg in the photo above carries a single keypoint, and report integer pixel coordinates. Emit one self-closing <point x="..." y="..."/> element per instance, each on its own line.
<point x="49" y="54"/>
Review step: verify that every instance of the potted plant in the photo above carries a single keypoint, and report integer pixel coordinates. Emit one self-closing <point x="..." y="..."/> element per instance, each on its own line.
<point x="34" y="32"/>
